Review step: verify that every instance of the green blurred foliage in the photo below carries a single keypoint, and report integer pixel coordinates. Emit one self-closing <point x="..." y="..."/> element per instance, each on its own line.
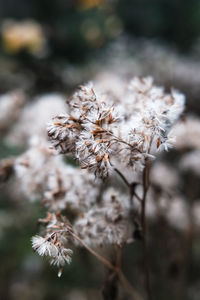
<point x="75" y="32"/>
<point x="173" y="20"/>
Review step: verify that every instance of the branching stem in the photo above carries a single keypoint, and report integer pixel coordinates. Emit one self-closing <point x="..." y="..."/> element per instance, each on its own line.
<point x="116" y="269"/>
<point x="122" y="177"/>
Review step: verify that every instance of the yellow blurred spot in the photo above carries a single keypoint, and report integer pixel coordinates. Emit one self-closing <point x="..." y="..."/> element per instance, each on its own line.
<point x="88" y="4"/>
<point x="22" y="35"/>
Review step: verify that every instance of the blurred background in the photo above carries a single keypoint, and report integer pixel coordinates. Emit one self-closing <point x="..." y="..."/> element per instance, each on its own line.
<point x="51" y="47"/>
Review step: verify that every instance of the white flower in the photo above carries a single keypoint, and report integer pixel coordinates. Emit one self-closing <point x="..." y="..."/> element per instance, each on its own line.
<point x="95" y="136"/>
<point x="63" y="256"/>
<point x="44" y="246"/>
<point x="109" y="221"/>
<point x="52" y="245"/>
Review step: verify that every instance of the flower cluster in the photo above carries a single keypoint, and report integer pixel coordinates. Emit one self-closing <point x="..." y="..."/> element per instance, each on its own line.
<point x="98" y="135"/>
<point x="108" y="133"/>
<point x="109" y="220"/>
<point x="88" y="131"/>
<point x="43" y="175"/>
<point x="53" y="244"/>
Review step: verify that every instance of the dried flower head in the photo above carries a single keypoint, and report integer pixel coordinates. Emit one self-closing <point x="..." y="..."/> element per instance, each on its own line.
<point x="99" y="136"/>
<point x="53" y="244"/>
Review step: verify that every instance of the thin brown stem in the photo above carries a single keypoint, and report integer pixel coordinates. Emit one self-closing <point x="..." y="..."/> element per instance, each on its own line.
<point x="118" y="256"/>
<point x="122" y="177"/>
<point x="121" y="276"/>
<point x="137" y="197"/>
<point x="129" y="185"/>
<point x="128" y="286"/>
<point x="144" y="227"/>
<point x="98" y="256"/>
<point x="116" y="269"/>
<point x="110" y="288"/>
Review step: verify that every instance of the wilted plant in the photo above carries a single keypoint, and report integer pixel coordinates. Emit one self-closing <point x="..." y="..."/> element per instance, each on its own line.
<point x="106" y="137"/>
<point x="114" y="140"/>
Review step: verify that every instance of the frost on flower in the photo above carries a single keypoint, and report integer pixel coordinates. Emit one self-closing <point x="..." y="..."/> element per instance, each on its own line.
<point x="99" y="136"/>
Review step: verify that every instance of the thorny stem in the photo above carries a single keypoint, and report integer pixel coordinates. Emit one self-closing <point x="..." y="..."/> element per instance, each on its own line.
<point x="116" y="269"/>
<point x="144" y="227"/>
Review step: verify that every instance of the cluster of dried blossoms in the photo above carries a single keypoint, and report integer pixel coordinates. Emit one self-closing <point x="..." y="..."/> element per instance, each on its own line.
<point x="53" y="244"/>
<point x="101" y="134"/>
<point x="109" y="134"/>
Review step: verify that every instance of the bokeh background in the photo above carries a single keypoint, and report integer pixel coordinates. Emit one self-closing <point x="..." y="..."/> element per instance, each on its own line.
<point x="52" y="46"/>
